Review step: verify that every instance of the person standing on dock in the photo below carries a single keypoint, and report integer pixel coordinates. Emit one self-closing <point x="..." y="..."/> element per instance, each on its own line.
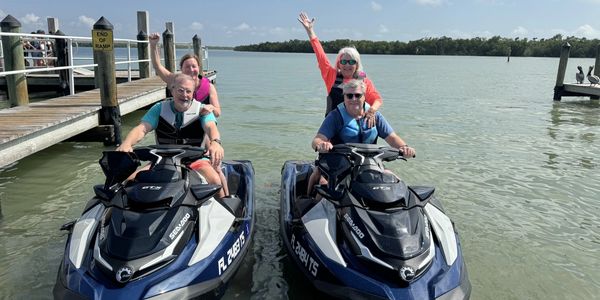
<point x="347" y="67"/>
<point x="205" y="92"/>
<point x="178" y="120"/>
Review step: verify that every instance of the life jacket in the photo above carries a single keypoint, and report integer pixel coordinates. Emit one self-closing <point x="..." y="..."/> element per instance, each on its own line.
<point x="190" y="132"/>
<point x="336" y="94"/>
<point x="353" y="130"/>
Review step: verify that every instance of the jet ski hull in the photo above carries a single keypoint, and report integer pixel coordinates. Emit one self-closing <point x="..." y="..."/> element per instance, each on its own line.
<point x="346" y="276"/>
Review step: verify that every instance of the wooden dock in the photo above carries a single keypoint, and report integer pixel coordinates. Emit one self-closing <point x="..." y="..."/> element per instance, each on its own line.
<point x="25" y="130"/>
<point x="586" y="89"/>
<point x="581" y="89"/>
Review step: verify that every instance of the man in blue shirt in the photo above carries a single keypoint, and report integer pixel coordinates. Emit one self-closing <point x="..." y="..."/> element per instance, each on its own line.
<point x="348" y="123"/>
<point x="178" y="120"/>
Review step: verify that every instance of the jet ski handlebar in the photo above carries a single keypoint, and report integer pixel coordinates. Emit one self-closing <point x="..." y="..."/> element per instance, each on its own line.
<point x="385" y="153"/>
<point x="183" y="153"/>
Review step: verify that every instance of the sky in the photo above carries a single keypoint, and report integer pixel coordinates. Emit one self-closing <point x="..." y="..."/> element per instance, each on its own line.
<point x="232" y="23"/>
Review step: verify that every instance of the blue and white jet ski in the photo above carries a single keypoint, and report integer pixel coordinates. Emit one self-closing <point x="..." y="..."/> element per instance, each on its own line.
<point x="161" y="235"/>
<point x="370" y="236"/>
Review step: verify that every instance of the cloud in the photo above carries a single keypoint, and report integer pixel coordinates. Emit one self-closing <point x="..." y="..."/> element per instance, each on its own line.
<point x="375" y="6"/>
<point x="520" y="30"/>
<point x="383" y="29"/>
<point x="242" y="27"/>
<point x="196" y="26"/>
<point x="587" y="31"/>
<point x="430" y="2"/>
<point x="2" y="14"/>
<point x="30" y="19"/>
<point x="85" y="20"/>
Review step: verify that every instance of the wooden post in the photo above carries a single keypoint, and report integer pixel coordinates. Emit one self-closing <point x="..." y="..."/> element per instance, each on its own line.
<point x="143" y="54"/>
<point x="12" y="49"/>
<point x="562" y="67"/>
<point x="597" y="64"/>
<point x="143" y="48"/>
<point x="104" y="56"/>
<point x="62" y="59"/>
<point x="168" y="48"/>
<point x="197" y="42"/>
<point x="52" y="25"/>
<point x="171" y="27"/>
<point x="597" y="67"/>
<point x="143" y="21"/>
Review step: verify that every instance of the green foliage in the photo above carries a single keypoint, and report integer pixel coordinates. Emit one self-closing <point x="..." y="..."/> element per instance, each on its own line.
<point x="494" y="46"/>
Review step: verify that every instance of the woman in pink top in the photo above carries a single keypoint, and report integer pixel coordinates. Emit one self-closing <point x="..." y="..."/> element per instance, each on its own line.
<point x="190" y="65"/>
<point x="347" y="66"/>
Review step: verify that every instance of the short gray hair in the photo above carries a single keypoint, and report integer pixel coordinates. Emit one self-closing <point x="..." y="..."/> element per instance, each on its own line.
<point x="180" y="77"/>
<point x="353" y="84"/>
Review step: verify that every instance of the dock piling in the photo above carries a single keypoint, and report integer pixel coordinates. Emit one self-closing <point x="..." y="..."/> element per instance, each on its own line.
<point x="14" y="60"/>
<point x="143" y="54"/>
<point x="168" y="45"/>
<point x="104" y="56"/>
<point x="562" y="68"/>
<point x="197" y="43"/>
<point x="143" y="48"/>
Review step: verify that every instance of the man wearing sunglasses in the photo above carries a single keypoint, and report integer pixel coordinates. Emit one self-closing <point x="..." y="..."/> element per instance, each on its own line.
<point x="347" y="124"/>
<point x="347" y="67"/>
<point x="178" y="121"/>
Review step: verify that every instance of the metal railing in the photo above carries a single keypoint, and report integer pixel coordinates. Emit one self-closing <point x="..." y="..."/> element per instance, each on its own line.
<point x="71" y="40"/>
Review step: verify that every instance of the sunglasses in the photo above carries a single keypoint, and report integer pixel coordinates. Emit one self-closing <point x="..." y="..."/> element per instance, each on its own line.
<point x="183" y="91"/>
<point x="353" y="96"/>
<point x="351" y="62"/>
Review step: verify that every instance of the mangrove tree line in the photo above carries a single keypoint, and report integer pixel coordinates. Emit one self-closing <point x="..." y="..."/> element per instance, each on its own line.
<point x="494" y="46"/>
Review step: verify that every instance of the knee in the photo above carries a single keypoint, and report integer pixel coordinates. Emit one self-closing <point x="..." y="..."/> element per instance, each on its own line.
<point x="210" y="175"/>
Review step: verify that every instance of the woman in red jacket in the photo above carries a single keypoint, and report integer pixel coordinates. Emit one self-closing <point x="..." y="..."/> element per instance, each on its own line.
<point x="347" y="66"/>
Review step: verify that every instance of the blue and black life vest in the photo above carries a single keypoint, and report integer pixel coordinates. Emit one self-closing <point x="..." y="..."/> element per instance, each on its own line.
<point x="353" y="130"/>
<point x="189" y="133"/>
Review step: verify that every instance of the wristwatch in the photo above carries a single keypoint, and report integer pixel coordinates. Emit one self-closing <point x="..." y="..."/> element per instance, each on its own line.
<point x="217" y="141"/>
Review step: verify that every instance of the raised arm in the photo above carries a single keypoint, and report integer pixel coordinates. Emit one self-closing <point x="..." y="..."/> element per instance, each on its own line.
<point x="161" y="71"/>
<point x="308" y="24"/>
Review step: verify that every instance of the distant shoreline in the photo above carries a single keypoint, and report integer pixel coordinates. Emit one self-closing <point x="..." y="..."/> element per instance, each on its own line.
<point x="494" y="46"/>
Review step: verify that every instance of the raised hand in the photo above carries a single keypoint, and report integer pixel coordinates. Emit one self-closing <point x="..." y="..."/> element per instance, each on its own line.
<point x="153" y="38"/>
<point x="308" y="23"/>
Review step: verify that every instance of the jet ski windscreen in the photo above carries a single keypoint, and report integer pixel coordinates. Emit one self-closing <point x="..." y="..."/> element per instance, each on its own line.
<point x="117" y="166"/>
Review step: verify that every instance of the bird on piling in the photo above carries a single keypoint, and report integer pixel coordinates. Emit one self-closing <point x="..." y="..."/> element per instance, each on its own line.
<point x="579" y="76"/>
<point x="594" y="79"/>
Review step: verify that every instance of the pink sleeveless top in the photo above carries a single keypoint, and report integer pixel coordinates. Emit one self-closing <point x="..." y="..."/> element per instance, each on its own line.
<point x="203" y="90"/>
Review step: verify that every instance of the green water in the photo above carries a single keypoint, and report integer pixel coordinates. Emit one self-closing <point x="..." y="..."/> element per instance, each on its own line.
<point x="517" y="172"/>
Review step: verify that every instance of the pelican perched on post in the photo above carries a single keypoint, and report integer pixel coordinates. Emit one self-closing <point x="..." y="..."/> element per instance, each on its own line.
<point x="580" y="76"/>
<point x="594" y="79"/>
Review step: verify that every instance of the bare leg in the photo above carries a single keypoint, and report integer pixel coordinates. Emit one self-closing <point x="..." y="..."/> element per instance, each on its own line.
<point x="212" y="177"/>
<point x="224" y="185"/>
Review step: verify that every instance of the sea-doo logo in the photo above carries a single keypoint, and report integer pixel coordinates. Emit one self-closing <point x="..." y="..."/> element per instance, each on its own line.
<point x="407" y="273"/>
<point x="152" y="187"/>
<point x="177" y="229"/>
<point x="124" y="274"/>
<point x="354" y="227"/>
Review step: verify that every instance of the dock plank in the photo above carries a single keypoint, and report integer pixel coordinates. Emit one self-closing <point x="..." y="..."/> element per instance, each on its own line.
<point x="26" y="130"/>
